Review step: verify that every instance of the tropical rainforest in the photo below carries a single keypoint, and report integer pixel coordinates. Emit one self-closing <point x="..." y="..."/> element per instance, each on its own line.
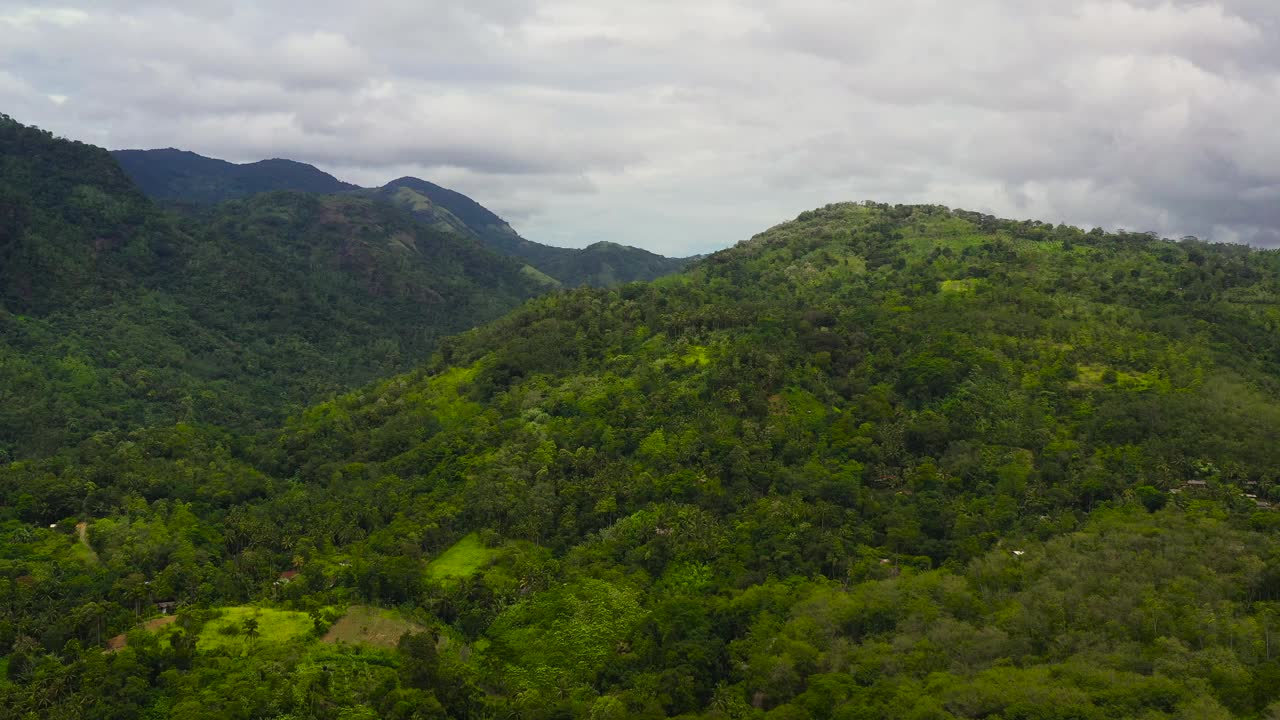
<point x="302" y="455"/>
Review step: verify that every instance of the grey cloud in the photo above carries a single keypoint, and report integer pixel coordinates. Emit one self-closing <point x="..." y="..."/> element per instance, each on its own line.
<point x="687" y="126"/>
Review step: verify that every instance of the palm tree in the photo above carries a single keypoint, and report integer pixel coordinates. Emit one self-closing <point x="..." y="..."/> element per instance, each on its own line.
<point x="251" y="629"/>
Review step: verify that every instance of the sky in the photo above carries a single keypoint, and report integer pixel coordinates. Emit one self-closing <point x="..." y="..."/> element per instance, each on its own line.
<point x="685" y="126"/>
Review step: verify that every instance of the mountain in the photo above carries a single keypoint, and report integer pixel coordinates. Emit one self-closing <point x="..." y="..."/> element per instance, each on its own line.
<point x="115" y="315"/>
<point x="452" y="210"/>
<point x="603" y="264"/>
<point x="877" y="462"/>
<point x="181" y="176"/>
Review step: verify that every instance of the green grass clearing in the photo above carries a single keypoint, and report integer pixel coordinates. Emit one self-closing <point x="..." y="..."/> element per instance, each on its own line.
<point x="464" y="559"/>
<point x="416" y="201"/>
<point x="697" y="356"/>
<point x="538" y="275"/>
<point x="960" y="287"/>
<point x="275" y="627"/>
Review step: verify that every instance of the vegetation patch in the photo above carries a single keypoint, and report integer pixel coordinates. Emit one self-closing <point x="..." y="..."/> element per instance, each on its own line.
<point x="541" y="277"/>
<point x="960" y="287"/>
<point x="464" y="559"/>
<point x="82" y="550"/>
<point x="232" y="630"/>
<point x="155" y="624"/>
<point x="404" y="241"/>
<point x="1093" y="377"/>
<point x="414" y="201"/>
<point x="364" y="625"/>
<point x="697" y="355"/>
<point x="567" y="632"/>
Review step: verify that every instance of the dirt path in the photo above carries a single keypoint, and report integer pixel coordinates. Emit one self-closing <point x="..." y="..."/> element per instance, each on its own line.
<point x="82" y="529"/>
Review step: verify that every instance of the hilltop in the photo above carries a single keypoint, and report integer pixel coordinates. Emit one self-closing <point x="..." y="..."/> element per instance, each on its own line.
<point x="180" y="175"/>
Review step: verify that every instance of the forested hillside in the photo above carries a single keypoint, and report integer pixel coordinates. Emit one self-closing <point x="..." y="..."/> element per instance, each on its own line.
<point x="115" y="315"/>
<point x="602" y="264"/>
<point x="188" y="179"/>
<point x="877" y="462"/>
<point x="184" y="176"/>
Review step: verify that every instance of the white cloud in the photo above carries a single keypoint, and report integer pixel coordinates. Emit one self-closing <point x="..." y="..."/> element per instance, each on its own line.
<point x="1163" y="28"/>
<point x="28" y="17"/>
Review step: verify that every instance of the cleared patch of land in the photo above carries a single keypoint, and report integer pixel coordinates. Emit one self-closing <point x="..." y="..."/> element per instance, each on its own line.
<point x="84" y="550"/>
<point x="157" y="623"/>
<point x="366" y="625"/>
<point x="227" y="631"/>
<point x="960" y="287"/>
<point x="1093" y="377"/>
<point x="464" y="559"/>
<point x="121" y="641"/>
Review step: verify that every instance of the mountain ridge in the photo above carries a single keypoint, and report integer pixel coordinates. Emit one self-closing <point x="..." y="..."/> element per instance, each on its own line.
<point x="184" y="176"/>
<point x="181" y="175"/>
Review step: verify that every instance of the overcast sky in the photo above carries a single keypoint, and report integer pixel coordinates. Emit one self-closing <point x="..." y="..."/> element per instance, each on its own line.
<point x="685" y="126"/>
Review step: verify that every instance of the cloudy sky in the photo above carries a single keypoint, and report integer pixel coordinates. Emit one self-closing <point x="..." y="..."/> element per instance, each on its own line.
<point x="684" y="126"/>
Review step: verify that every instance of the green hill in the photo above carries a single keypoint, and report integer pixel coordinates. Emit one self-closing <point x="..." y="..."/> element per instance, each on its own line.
<point x="877" y="462"/>
<point x="115" y="315"/>
<point x="179" y="175"/>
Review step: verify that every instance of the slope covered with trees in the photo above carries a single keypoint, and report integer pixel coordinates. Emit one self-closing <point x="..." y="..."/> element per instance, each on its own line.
<point x="116" y="315"/>
<point x="185" y="178"/>
<point x="878" y="462"/>
<point x="603" y="264"/>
